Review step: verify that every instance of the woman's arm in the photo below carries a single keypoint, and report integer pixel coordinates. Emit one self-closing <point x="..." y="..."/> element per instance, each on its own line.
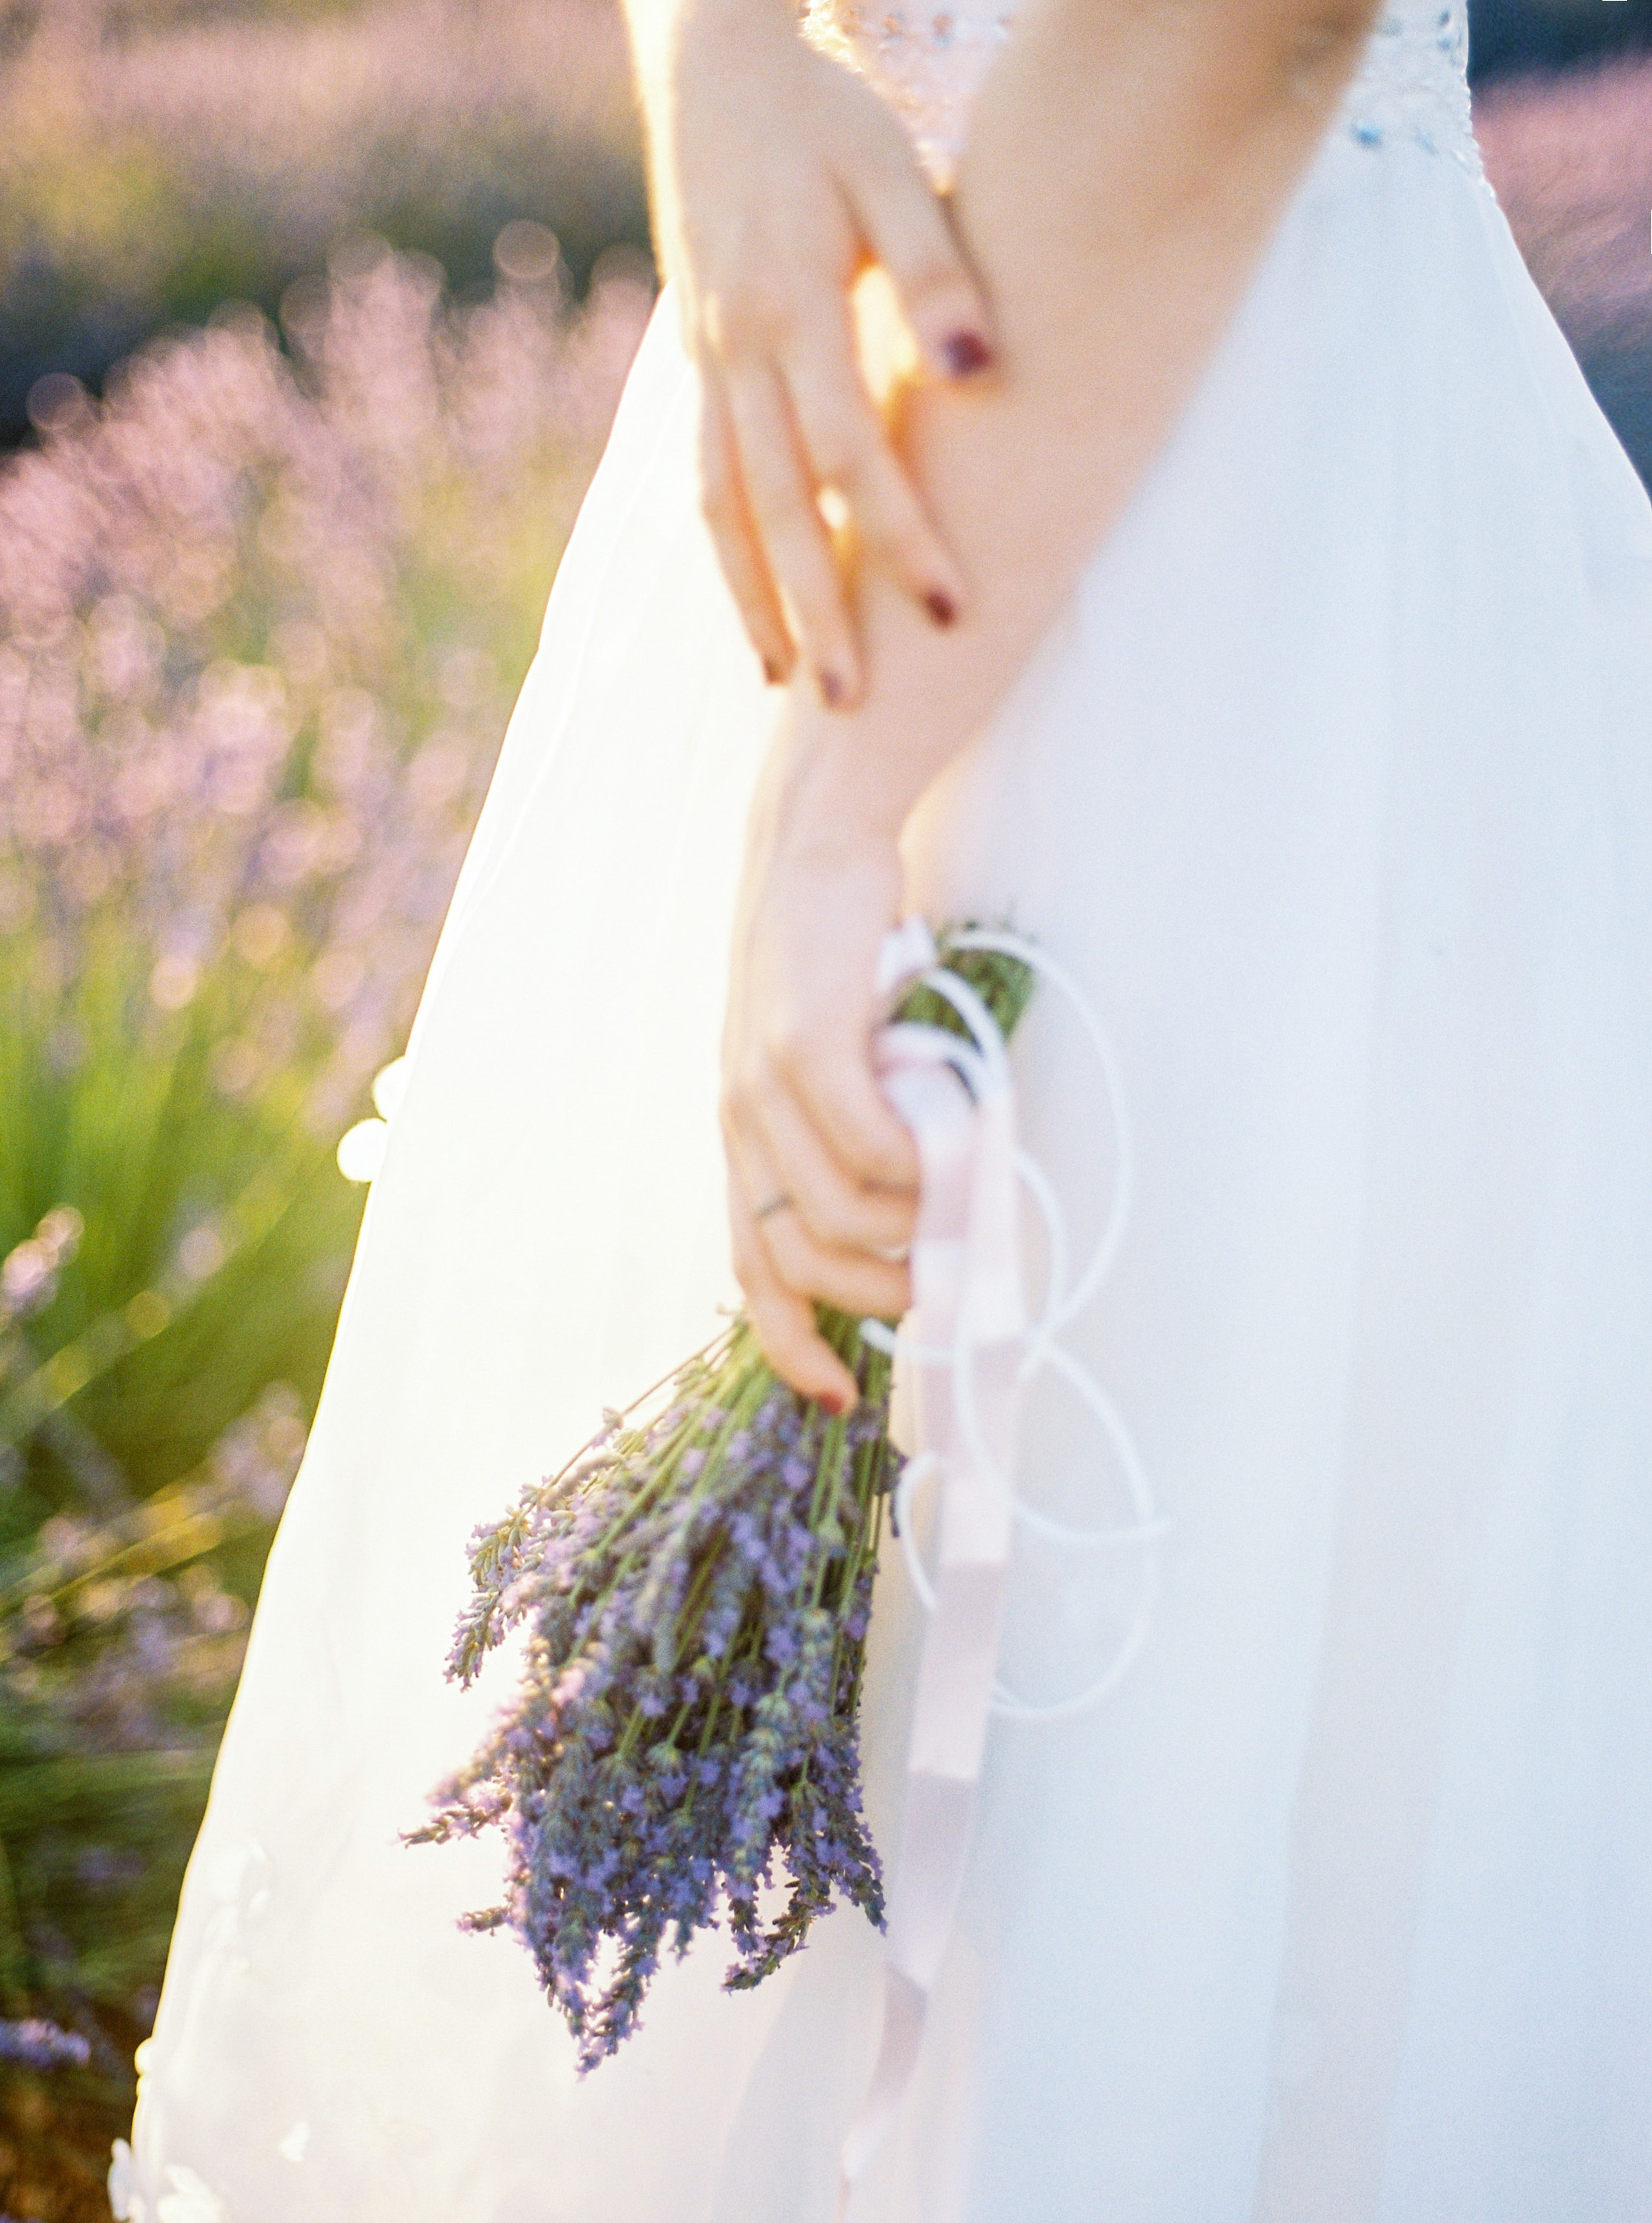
<point x="1128" y="162"/>
<point x="1127" y="165"/>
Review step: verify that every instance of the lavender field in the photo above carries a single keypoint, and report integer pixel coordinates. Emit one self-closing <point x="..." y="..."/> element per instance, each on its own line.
<point x="148" y="175"/>
<point x="262" y="616"/>
<point x="313" y="317"/>
<point x="1571" y="158"/>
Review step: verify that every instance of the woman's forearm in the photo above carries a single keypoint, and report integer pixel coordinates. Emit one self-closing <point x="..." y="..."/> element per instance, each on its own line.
<point x="1128" y="162"/>
<point x="654" y="28"/>
<point x="656" y="31"/>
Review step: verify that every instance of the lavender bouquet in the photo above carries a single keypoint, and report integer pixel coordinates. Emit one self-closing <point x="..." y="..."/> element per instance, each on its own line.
<point x="697" y="1584"/>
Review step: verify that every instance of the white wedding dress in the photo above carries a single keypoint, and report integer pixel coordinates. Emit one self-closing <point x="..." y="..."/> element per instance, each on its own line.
<point x="1334" y="786"/>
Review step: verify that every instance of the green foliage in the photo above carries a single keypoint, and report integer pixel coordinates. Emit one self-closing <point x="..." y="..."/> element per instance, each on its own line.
<point x="260" y="627"/>
<point x="1004" y="984"/>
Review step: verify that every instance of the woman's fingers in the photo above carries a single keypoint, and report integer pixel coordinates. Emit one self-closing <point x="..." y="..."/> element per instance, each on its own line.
<point x="726" y="511"/>
<point x="907" y="229"/>
<point x="776" y="1152"/>
<point x="848" y="1278"/>
<point x="836" y="1093"/>
<point x="788" y="418"/>
<point x="782" y="1321"/>
<point x="848" y="447"/>
<point x="855" y="1279"/>
<point x="794" y="535"/>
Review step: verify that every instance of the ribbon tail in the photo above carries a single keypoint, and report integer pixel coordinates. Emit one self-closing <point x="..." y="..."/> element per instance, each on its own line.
<point x="965" y="1269"/>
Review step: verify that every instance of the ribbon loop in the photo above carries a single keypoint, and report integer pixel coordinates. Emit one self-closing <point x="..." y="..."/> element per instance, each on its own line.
<point x="964" y="1355"/>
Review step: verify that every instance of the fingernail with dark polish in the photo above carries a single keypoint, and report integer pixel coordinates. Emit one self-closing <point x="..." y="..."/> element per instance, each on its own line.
<point x="834" y="1404"/>
<point x="941" y="607"/>
<point x="965" y="353"/>
<point x="832" y="689"/>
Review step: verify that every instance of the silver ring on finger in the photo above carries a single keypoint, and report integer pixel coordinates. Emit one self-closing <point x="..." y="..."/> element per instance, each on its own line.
<point x="780" y="1201"/>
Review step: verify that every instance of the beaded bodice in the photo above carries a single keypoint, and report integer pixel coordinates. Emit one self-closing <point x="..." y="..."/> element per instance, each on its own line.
<point x="928" y="57"/>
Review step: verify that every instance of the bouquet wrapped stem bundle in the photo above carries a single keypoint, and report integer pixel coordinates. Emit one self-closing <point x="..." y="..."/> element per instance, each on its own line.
<point x="695" y="1586"/>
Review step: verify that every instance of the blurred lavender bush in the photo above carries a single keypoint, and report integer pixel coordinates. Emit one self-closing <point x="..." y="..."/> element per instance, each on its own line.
<point x="1571" y="158"/>
<point x="155" y="163"/>
<point x="261" y="620"/>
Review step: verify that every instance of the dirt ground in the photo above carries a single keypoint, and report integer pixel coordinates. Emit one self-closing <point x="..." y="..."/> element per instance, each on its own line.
<point x="53" y="2156"/>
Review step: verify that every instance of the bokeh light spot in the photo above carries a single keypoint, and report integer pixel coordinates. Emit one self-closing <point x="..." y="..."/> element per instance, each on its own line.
<point x="361" y="1150"/>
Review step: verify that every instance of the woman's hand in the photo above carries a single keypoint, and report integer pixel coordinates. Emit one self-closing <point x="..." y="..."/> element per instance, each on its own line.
<point x="777" y="176"/>
<point x="1153" y="214"/>
<point x="822" y="1174"/>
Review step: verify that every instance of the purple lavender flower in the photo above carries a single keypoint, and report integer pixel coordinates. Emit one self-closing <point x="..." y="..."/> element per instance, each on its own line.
<point x="37" y="2044"/>
<point x="696" y="1589"/>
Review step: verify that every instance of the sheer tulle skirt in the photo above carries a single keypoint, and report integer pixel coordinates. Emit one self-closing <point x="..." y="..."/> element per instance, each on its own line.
<point x="1334" y="784"/>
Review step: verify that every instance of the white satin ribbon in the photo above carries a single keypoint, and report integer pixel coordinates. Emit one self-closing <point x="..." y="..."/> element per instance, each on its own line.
<point x="967" y="1348"/>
